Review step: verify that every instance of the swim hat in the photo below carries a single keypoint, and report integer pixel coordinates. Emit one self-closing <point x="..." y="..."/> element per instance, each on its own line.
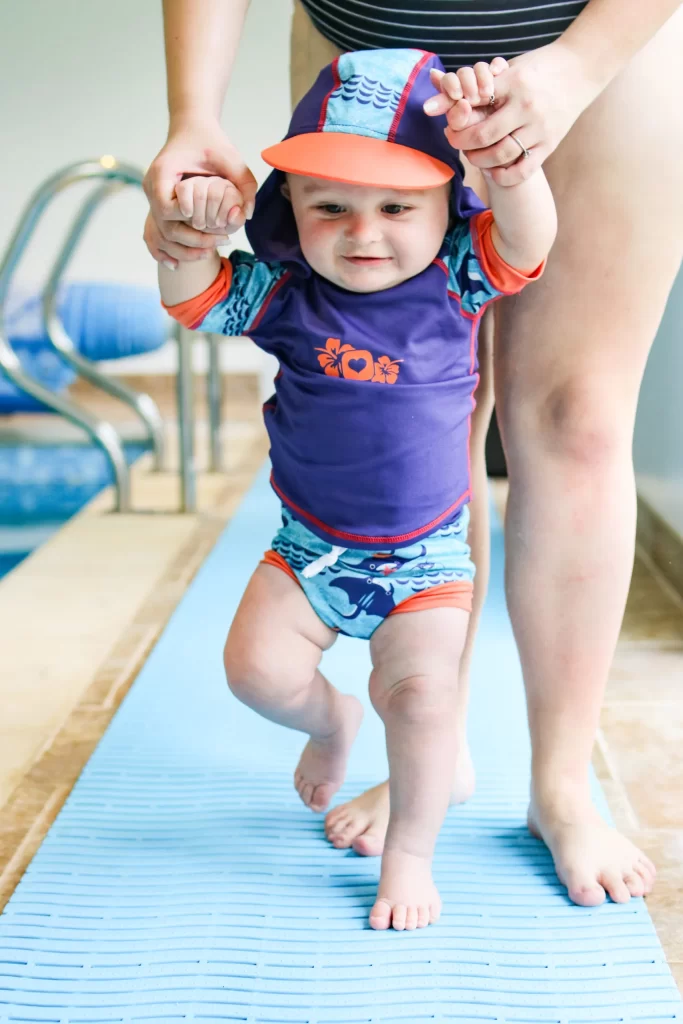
<point x="362" y="122"/>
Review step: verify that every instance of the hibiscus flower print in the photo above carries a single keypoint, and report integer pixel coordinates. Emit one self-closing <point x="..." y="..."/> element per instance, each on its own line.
<point x="331" y="357"/>
<point x="386" y="370"/>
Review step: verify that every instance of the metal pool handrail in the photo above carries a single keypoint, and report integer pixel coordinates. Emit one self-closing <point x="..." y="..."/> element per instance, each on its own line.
<point x="145" y="408"/>
<point x="100" y="431"/>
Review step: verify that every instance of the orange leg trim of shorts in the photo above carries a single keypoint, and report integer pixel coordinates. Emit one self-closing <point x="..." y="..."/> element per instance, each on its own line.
<point x="446" y="595"/>
<point x="457" y="594"/>
<point x="278" y="562"/>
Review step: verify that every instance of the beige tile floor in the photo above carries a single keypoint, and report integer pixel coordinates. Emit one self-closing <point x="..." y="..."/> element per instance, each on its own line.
<point x="45" y="742"/>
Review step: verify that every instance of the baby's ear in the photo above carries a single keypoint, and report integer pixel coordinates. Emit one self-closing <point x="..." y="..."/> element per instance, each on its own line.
<point x="284" y="189"/>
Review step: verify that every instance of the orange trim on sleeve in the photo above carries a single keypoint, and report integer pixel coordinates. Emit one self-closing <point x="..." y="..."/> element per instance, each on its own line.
<point x="502" y="276"/>
<point x="191" y="312"/>
<point x="457" y="594"/>
<point x="278" y="562"/>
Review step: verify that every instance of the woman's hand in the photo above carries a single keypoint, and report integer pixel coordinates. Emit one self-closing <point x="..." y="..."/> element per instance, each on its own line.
<point x="195" y="146"/>
<point x="538" y="97"/>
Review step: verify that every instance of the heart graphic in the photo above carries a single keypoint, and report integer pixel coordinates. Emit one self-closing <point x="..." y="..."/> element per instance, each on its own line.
<point x="357" y="364"/>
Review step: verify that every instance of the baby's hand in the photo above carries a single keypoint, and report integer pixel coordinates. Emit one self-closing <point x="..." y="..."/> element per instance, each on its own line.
<point x="467" y="96"/>
<point x="210" y="204"/>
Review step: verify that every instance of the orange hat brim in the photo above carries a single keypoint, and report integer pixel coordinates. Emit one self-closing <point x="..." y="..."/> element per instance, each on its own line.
<point x="358" y="160"/>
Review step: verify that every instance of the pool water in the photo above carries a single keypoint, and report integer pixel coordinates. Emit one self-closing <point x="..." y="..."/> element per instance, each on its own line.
<point x="42" y="486"/>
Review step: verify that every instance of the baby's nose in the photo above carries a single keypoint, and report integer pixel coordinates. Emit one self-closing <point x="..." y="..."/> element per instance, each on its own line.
<point x="364" y="230"/>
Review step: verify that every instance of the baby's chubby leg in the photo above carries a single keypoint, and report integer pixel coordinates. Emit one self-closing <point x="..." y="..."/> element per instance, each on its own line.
<point x="412" y="687"/>
<point x="271" y="661"/>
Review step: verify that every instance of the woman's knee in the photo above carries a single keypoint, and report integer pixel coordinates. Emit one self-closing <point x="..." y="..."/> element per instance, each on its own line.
<point x="575" y="422"/>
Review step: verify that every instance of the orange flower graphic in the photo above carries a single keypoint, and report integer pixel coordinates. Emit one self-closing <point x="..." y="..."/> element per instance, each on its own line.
<point x="332" y="355"/>
<point x="386" y="370"/>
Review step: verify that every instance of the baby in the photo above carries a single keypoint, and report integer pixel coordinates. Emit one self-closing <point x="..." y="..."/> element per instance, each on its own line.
<point x="372" y="267"/>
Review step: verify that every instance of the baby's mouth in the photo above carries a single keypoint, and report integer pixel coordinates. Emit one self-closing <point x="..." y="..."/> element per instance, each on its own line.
<point x="368" y="261"/>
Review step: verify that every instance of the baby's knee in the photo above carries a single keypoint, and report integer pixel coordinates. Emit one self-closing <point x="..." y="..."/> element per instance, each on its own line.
<point x="416" y="699"/>
<point x="248" y="668"/>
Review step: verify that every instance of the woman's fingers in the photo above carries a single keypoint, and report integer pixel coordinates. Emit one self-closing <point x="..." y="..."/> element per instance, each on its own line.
<point x="507" y="151"/>
<point x="490" y="130"/>
<point x="521" y="169"/>
<point x="498" y="65"/>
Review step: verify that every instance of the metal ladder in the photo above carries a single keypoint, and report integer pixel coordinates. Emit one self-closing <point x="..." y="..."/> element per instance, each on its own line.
<point x="115" y="176"/>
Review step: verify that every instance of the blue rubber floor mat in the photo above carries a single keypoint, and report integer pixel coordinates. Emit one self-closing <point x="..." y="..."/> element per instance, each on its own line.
<point x="184" y="881"/>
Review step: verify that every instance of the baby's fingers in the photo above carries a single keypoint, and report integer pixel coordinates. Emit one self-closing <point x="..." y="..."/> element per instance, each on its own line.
<point x="191" y="195"/>
<point x="450" y="92"/>
<point x="484" y="77"/>
<point x="222" y="196"/>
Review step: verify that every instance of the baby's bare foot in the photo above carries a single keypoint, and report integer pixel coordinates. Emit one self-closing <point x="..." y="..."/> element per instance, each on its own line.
<point x="322" y="766"/>
<point x="407" y="897"/>
<point x="591" y="858"/>
<point x="362" y="823"/>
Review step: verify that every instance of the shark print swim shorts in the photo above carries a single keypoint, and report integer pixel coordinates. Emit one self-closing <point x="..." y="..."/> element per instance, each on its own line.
<point x="354" y="590"/>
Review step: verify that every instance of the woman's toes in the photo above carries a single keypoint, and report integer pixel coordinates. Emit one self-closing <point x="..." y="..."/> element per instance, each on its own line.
<point x="647" y="876"/>
<point x="615" y="886"/>
<point x="411" y="919"/>
<point x="380" y="915"/>
<point x="399" y="915"/>
<point x="585" y="893"/>
<point x="635" y="884"/>
<point x="423" y="917"/>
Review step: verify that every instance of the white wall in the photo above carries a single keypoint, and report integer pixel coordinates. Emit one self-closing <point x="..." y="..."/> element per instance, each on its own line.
<point x="79" y="79"/>
<point x="658" y="446"/>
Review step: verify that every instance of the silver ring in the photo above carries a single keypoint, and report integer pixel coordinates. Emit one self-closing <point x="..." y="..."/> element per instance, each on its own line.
<point x="521" y="145"/>
<point x="492" y="98"/>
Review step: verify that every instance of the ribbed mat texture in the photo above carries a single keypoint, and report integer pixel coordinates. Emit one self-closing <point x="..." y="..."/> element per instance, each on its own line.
<point x="184" y="881"/>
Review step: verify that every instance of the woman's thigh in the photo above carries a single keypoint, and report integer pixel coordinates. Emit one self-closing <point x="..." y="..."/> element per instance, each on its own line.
<point x="573" y="347"/>
<point x="310" y="52"/>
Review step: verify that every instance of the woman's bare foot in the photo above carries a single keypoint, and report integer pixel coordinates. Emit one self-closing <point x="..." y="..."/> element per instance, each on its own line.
<point x="322" y="765"/>
<point x="591" y="858"/>
<point x="407" y="897"/>
<point x="362" y="822"/>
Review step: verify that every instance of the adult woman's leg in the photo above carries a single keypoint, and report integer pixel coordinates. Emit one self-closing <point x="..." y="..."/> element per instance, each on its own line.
<point x="570" y="354"/>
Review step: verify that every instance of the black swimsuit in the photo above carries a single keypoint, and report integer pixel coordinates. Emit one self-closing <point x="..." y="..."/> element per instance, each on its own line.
<point x="459" y="31"/>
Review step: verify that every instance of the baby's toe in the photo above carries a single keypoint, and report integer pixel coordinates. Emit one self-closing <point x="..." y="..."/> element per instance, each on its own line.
<point x="411" y="919"/>
<point x="398" y="918"/>
<point x="306" y="792"/>
<point x="423" y="917"/>
<point x="380" y="915"/>
<point x="321" y="796"/>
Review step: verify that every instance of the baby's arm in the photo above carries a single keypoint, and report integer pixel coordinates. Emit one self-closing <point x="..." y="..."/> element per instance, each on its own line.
<point x="198" y="195"/>
<point x="524" y="220"/>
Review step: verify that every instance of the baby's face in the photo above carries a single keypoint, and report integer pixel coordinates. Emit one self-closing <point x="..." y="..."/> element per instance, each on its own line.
<point x="367" y="239"/>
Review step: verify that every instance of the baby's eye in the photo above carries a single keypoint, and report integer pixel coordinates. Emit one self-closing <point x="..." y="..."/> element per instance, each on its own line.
<point x="331" y="208"/>
<point x="394" y="208"/>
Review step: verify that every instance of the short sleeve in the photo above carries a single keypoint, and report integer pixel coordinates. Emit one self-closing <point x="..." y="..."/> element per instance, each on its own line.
<point x="477" y="274"/>
<point x="231" y="304"/>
